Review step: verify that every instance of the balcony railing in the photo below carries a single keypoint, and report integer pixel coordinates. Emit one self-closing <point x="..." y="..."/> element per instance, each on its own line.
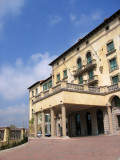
<point x="85" y="68"/>
<point x="75" y="86"/>
<point x="113" y="87"/>
<point x="93" y="80"/>
<point x="86" y="88"/>
<point x="94" y="89"/>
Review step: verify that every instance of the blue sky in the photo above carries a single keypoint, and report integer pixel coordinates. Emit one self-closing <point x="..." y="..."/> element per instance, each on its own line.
<point x="32" y="34"/>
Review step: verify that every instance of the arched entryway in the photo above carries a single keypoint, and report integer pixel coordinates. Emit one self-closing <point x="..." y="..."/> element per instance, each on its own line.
<point x="89" y="124"/>
<point x="100" y="121"/>
<point x="78" y="125"/>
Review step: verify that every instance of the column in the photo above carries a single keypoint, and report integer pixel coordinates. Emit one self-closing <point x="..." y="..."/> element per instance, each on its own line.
<point x="22" y="133"/>
<point x="6" y="134"/>
<point x="52" y="122"/>
<point x="63" y="120"/>
<point x="35" y="124"/>
<point x="110" y="119"/>
<point x="43" y="124"/>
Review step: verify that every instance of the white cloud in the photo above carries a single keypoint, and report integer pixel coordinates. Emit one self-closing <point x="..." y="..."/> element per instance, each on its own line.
<point x="54" y="19"/>
<point x="72" y="16"/>
<point x="9" y="8"/>
<point x="15" y="79"/>
<point x="88" y="18"/>
<point x="16" y="115"/>
<point x="96" y="15"/>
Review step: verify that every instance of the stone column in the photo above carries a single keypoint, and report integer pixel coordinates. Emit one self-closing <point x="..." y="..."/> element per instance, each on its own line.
<point x="22" y="133"/>
<point x="63" y="120"/>
<point x="52" y="122"/>
<point x="43" y="124"/>
<point x="6" y="134"/>
<point x="35" y="124"/>
<point x="110" y="119"/>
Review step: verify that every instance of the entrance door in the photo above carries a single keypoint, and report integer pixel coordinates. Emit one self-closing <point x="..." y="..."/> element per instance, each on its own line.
<point x="100" y="122"/>
<point x="89" y="125"/>
<point x="78" y="125"/>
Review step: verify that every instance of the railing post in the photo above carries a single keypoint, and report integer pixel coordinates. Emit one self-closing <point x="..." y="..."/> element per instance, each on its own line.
<point x="105" y="89"/>
<point x="86" y="87"/>
<point x="63" y="84"/>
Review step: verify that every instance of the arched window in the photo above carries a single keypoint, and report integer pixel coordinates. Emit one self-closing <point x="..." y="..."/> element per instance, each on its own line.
<point x="79" y="63"/>
<point x="116" y="101"/>
<point x="89" y="58"/>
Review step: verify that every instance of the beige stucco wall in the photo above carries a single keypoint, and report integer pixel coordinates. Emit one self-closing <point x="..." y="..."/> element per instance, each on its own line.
<point x="99" y="44"/>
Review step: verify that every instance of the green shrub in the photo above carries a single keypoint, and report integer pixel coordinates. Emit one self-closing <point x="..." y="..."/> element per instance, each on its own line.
<point x="14" y="144"/>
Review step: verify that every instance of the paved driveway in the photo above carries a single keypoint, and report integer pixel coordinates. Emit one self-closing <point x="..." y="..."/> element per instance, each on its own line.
<point x="82" y="148"/>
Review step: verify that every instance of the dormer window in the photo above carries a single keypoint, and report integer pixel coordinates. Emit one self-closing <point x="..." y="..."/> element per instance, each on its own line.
<point x="36" y="91"/>
<point x="32" y="93"/>
<point x="58" y="77"/>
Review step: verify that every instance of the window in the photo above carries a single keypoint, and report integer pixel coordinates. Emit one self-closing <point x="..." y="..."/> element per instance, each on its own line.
<point x="89" y="58"/>
<point x="36" y="91"/>
<point x="32" y="102"/>
<point x="47" y="118"/>
<point x="32" y="93"/>
<point x="110" y="46"/>
<point x="115" y="79"/>
<point x="80" y="79"/>
<point x="90" y="73"/>
<point x="118" y="117"/>
<point x="113" y="64"/>
<point x="58" y="77"/>
<point x="65" y="73"/>
<point x="45" y="87"/>
<point x="50" y="84"/>
<point x="79" y="63"/>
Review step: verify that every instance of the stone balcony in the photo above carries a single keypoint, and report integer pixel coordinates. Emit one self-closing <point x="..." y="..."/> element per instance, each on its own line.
<point x="85" y="68"/>
<point x="93" y="80"/>
<point x="86" y="88"/>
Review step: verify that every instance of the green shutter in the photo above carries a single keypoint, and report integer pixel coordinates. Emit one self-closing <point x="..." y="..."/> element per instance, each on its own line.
<point x="58" y="77"/>
<point x="45" y="87"/>
<point x="110" y="46"/>
<point x="81" y="79"/>
<point x="113" y="64"/>
<point x="89" y="59"/>
<point x="90" y="74"/>
<point x="79" y="63"/>
<point x="65" y="73"/>
<point x="115" y="79"/>
<point x="50" y="84"/>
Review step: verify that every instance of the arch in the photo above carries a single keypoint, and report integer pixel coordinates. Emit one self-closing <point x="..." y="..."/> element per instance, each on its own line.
<point x="111" y="98"/>
<point x="79" y="63"/>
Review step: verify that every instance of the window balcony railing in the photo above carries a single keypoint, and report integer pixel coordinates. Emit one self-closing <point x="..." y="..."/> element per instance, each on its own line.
<point x="113" y="87"/>
<point x="93" y="80"/>
<point x="85" y="68"/>
<point x="85" y="88"/>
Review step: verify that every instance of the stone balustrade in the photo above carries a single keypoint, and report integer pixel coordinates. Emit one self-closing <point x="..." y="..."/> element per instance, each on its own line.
<point x="63" y="85"/>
